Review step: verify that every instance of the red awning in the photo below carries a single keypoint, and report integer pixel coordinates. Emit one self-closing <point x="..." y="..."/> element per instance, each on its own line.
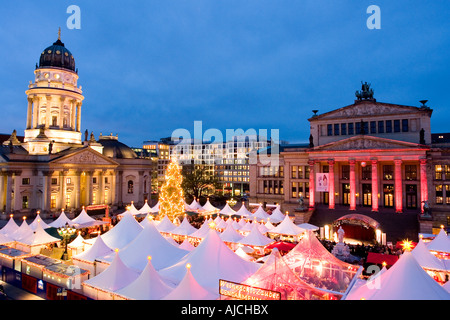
<point x="379" y="258"/>
<point x="282" y="246"/>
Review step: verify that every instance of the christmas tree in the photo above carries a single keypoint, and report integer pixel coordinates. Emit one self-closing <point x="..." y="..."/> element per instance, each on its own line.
<point x="171" y="195"/>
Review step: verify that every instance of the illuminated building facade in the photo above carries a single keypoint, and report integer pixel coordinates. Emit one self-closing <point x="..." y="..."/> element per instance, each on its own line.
<point x="54" y="168"/>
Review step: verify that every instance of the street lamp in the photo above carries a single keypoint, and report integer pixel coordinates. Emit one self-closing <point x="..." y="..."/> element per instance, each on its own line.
<point x="66" y="233"/>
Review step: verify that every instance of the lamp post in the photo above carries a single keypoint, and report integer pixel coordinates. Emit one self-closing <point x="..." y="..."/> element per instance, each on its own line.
<point x="66" y="233"/>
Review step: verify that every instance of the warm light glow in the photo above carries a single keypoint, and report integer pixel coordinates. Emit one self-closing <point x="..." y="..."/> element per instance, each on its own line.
<point x="384" y="264"/>
<point x="24" y="218"/>
<point x="407" y="245"/>
<point x="188" y="266"/>
<point x="212" y="225"/>
<point x="149" y="258"/>
<point x="116" y="250"/>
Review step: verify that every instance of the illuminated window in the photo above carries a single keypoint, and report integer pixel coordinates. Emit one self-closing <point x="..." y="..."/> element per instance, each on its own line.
<point x="410" y="172"/>
<point x="438" y="172"/>
<point x="294" y="189"/>
<point x="53" y="202"/>
<point x="439" y="194"/>
<point x="106" y="196"/>
<point x="67" y="200"/>
<point x="25" y="202"/>
<point x="130" y="186"/>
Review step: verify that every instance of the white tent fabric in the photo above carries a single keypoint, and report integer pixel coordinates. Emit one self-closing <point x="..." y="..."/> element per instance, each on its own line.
<point x="155" y="208"/>
<point x="269" y="225"/>
<point x="247" y="227"/>
<point x="242" y="222"/>
<point x="165" y="225"/>
<point x="227" y="210"/>
<point x="23" y="231"/>
<point x="255" y="238"/>
<point x="405" y="280"/>
<point x="186" y="245"/>
<point x="308" y="226"/>
<point x="10" y="227"/>
<point x="262" y="228"/>
<point x="230" y="235"/>
<point x="148" y="286"/>
<point x="184" y="229"/>
<point x="97" y="250"/>
<point x="260" y="214"/>
<point x="130" y="209"/>
<point x="145" y="208"/>
<point x="277" y="216"/>
<point x="38" y="237"/>
<point x="147" y="220"/>
<point x="78" y="242"/>
<point x="211" y="260"/>
<point x="61" y="221"/>
<point x="186" y="206"/>
<point x="5" y="239"/>
<point x="83" y="220"/>
<point x="122" y="233"/>
<point x="446" y="286"/>
<point x="33" y="225"/>
<point x="115" y="277"/>
<point x="426" y="259"/>
<point x="287" y="227"/>
<point x="243" y="211"/>
<point x="241" y="253"/>
<point x="441" y="243"/>
<point x="208" y="207"/>
<point x="202" y="232"/>
<point x="221" y="225"/>
<point x="190" y="289"/>
<point x="149" y="242"/>
<point x="195" y="205"/>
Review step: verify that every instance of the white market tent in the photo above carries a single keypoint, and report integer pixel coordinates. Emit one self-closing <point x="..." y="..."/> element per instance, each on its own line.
<point x="83" y="220"/>
<point x="405" y="280"/>
<point x="77" y="245"/>
<point x="277" y="216"/>
<point x="86" y="259"/>
<point x="149" y="242"/>
<point x="186" y="245"/>
<point x="441" y="243"/>
<point x="34" y="241"/>
<point x="230" y="235"/>
<point x="260" y="214"/>
<point x="155" y="208"/>
<point x="35" y="222"/>
<point x="61" y="221"/>
<point x="165" y="225"/>
<point x="148" y="286"/>
<point x="23" y="231"/>
<point x="262" y="228"/>
<point x="190" y="289"/>
<point x="195" y="205"/>
<point x="288" y="228"/>
<point x="146" y="209"/>
<point x="184" y="229"/>
<point x="122" y="233"/>
<point x="243" y="211"/>
<point x="10" y="227"/>
<point x="130" y="209"/>
<point x="227" y="210"/>
<point x="208" y="208"/>
<point x="4" y="239"/>
<point x="115" y="277"/>
<point x="446" y="286"/>
<point x="426" y="259"/>
<point x="211" y="260"/>
<point x="202" y="232"/>
<point x="308" y="226"/>
<point x="255" y="238"/>
<point x="187" y="208"/>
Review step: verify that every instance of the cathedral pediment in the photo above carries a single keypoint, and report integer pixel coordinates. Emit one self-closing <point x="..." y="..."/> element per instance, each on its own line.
<point x="364" y="142"/>
<point x="368" y="109"/>
<point x="85" y="156"/>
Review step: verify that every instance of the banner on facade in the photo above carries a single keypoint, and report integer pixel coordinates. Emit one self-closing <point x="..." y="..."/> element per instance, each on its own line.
<point x="322" y="181"/>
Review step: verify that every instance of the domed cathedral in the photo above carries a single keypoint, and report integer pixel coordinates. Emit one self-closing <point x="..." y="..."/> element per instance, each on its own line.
<point x="52" y="167"/>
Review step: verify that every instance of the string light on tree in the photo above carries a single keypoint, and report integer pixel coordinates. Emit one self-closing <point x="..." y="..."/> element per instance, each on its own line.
<point x="171" y="196"/>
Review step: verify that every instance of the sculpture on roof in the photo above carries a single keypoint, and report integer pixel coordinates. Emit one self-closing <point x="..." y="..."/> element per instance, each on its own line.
<point x="366" y="92"/>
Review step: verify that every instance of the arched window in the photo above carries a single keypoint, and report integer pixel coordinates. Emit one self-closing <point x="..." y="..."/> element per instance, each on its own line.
<point x="130" y="186"/>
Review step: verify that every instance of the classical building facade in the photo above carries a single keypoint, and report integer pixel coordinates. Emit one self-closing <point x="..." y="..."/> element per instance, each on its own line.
<point x="371" y="155"/>
<point x="54" y="168"/>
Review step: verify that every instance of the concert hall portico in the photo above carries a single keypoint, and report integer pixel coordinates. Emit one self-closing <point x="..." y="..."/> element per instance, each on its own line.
<point x="368" y="171"/>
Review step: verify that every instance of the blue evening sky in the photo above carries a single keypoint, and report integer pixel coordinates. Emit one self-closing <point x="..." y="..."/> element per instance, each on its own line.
<point x="149" y="67"/>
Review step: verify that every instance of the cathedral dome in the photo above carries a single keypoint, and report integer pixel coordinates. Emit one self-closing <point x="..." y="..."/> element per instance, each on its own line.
<point x="113" y="148"/>
<point x="57" y="56"/>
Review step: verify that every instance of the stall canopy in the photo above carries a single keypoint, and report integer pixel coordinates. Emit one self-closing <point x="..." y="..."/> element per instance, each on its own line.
<point x="211" y="260"/>
<point x="202" y="232"/>
<point x="255" y="238"/>
<point x="155" y="208"/>
<point x="195" y="205"/>
<point x="145" y="208"/>
<point x="122" y="233"/>
<point x="287" y="227"/>
<point x="184" y="229"/>
<point x="77" y="242"/>
<point x="243" y="211"/>
<point x="227" y="210"/>
<point x="405" y="280"/>
<point x="190" y="289"/>
<point x="61" y="221"/>
<point x="10" y="227"/>
<point x="83" y="220"/>
<point x="281" y="246"/>
<point x="148" y="286"/>
<point x="317" y="266"/>
<point x="426" y="259"/>
<point x="97" y="250"/>
<point x="277" y="216"/>
<point x="23" y="231"/>
<point x="260" y="214"/>
<point x="38" y="237"/>
<point x="308" y="226"/>
<point x="165" y="225"/>
<point x="4" y="239"/>
<point x="230" y="235"/>
<point x="208" y="208"/>
<point x="441" y="243"/>
<point x="276" y="275"/>
<point x="35" y="222"/>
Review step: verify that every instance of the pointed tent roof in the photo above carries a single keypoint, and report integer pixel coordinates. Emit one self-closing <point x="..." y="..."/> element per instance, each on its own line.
<point x="83" y="219"/>
<point x="202" y="232"/>
<point x="260" y="214"/>
<point x="149" y="242"/>
<point x="115" y="277"/>
<point x="269" y="225"/>
<point x="230" y="235"/>
<point x="148" y="286"/>
<point x="77" y="242"/>
<point x="247" y="227"/>
<point x="23" y="231"/>
<point x="35" y="222"/>
<point x="145" y="208"/>
<point x="227" y="210"/>
<point x="155" y="208"/>
<point x="186" y="206"/>
<point x="211" y="260"/>
<point x="275" y="274"/>
<point x="243" y="211"/>
<point x="277" y="215"/>
<point x="184" y="229"/>
<point x="165" y="225"/>
<point x="405" y="280"/>
<point x="255" y="238"/>
<point x="61" y="221"/>
<point x="123" y="232"/>
<point x="10" y="227"/>
<point x="97" y="250"/>
<point x="446" y="286"/>
<point x="441" y="243"/>
<point x="262" y="228"/>
<point x="131" y="209"/>
<point x="38" y="237"/>
<point x="426" y="259"/>
<point x="190" y="289"/>
<point x="4" y="239"/>
<point x="208" y="207"/>
<point x="186" y="245"/>
<point x="195" y="205"/>
<point x="287" y="227"/>
<point x="308" y="226"/>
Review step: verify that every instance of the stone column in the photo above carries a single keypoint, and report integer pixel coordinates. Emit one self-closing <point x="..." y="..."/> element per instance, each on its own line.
<point x="352" y="185"/>
<point x="62" y="190"/>
<point x="29" y="112"/>
<point x="375" y="185"/>
<point x="113" y="188"/>
<point x="62" y="101"/>
<point x="89" y="187"/>
<point x="312" y="186"/>
<point x="8" y="191"/>
<point x="17" y="196"/>
<point x="36" y="106"/>
<point x="2" y="191"/>
<point x="398" y="186"/>
<point x="48" y="118"/>
<point x="79" y="117"/>
<point x="140" y="199"/>
<point x="77" y="189"/>
<point x="331" y="195"/>
<point x="423" y="182"/>
<point x="47" y="190"/>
